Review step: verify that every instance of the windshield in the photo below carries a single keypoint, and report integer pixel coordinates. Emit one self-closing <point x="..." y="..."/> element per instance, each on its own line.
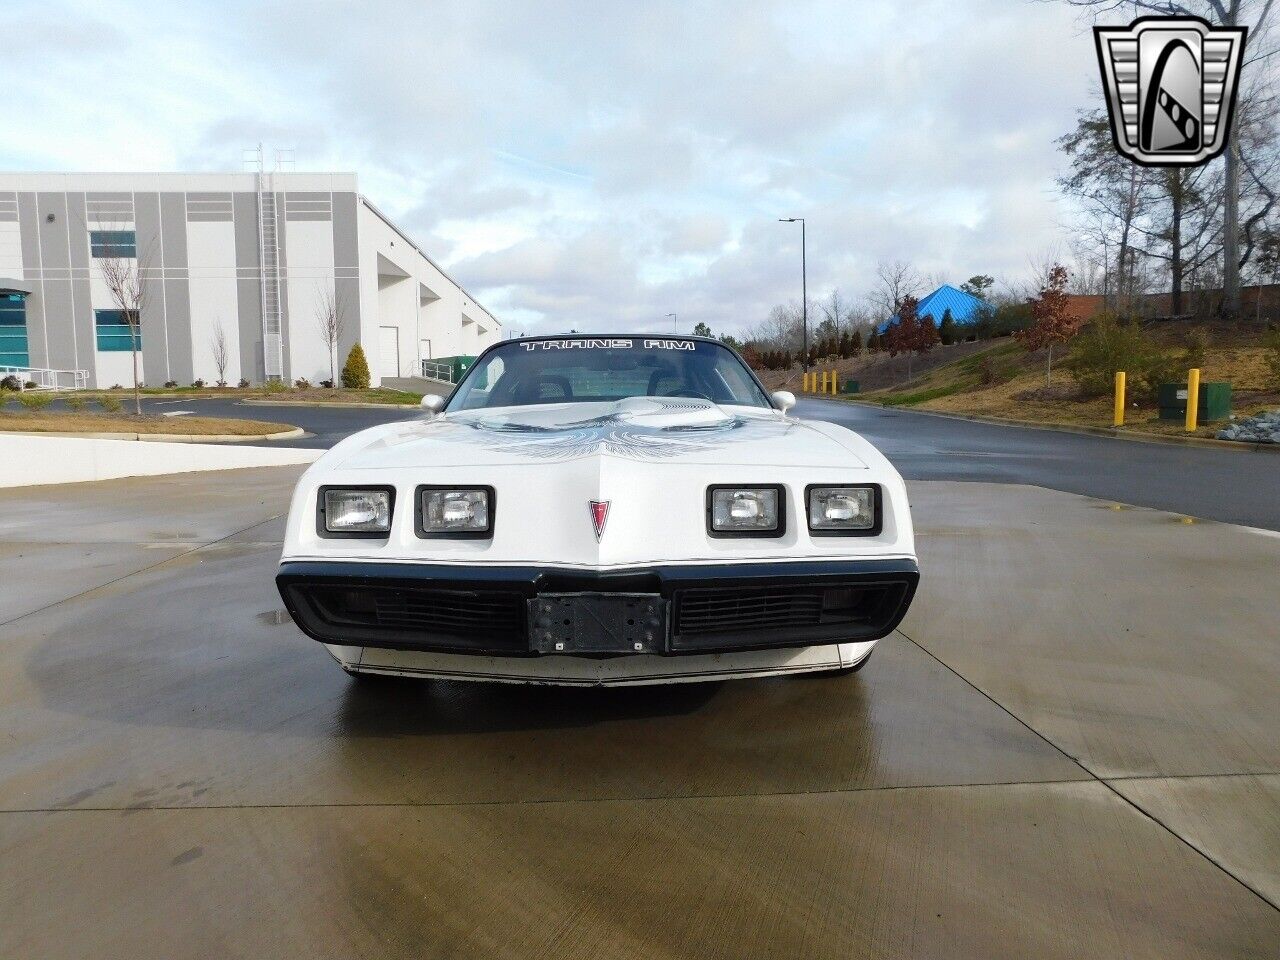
<point x="604" y="369"/>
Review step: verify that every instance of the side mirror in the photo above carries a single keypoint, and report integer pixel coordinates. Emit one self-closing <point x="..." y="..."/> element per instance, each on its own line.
<point x="784" y="400"/>
<point x="432" y="403"/>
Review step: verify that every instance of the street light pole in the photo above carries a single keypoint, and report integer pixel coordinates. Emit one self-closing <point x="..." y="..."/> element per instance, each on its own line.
<point x="804" y="287"/>
<point x="673" y="322"/>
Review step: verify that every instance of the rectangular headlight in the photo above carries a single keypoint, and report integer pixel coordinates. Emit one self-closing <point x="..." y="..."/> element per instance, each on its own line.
<point x="745" y="511"/>
<point x="850" y="510"/>
<point x="356" y="511"/>
<point x="455" y="511"/>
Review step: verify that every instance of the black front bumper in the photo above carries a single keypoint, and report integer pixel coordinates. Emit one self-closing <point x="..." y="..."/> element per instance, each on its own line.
<point x="530" y="611"/>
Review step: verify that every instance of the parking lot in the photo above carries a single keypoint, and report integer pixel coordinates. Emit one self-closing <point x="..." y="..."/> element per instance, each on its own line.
<point x="1070" y="748"/>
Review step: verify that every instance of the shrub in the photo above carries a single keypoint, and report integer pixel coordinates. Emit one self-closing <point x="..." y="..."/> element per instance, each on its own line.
<point x="1002" y="321"/>
<point x="35" y="401"/>
<point x="222" y="383"/>
<point x="327" y="384"/>
<point x="109" y="403"/>
<point x="1197" y="348"/>
<point x="75" y="402"/>
<point x="243" y="383"/>
<point x="170" y="384"/>
<point x="30" y="385"/>
<point x="1108" y="345"/>
<point x="10" y="383"/>
<point x="302" y="383"/>
<point x="992" y="371"/>
<point x="355" y="372"/>
<point x="275" y="386"/>
<point x="116" y="386"/>
<point x="198" y="384"/>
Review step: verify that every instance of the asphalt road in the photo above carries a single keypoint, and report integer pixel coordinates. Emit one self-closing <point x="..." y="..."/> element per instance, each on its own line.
<point x="327" y="425"/>
<point x="1234" y="486"/>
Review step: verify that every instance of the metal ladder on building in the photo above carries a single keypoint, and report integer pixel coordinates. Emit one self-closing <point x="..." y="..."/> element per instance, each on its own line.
<point x="269" y="262"/>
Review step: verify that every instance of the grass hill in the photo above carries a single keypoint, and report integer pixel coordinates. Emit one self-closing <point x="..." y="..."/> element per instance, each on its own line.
<point x="998" y="378"/>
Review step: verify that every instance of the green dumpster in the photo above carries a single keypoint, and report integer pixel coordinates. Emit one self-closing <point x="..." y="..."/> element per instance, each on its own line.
<point x="1215" y="401"/>
<point x="457" y="365"/>
<point x="849" y="386"/>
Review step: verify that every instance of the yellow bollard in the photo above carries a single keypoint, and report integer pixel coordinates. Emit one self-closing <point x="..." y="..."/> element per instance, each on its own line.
<point x="807" y="379"/>
<point x="1117" y="415"/>
<point x="1193" y="398"/>
<point x="834" y="391"/>
<point x="823" y="381"/>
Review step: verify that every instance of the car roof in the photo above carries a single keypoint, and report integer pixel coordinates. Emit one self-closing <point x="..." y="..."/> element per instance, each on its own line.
<point x="615" y="336"/>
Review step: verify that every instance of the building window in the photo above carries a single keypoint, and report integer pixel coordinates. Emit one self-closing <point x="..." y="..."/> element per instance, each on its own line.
<point x="110" y="244"/>
<point x="115" y="334"/>
<point x="13" y="331"/>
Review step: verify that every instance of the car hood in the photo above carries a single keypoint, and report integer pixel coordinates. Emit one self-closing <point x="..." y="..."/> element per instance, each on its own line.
<point x="678" y="430"/>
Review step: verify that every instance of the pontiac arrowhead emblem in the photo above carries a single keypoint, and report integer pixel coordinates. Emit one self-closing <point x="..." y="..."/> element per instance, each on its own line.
<point x="599" y="515"/>
<point x="1171" y="88"/>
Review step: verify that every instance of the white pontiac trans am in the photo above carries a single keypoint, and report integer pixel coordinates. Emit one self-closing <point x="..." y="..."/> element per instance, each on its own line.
<point x="600" y="510"/>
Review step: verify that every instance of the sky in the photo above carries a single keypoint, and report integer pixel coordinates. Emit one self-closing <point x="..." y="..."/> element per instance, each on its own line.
<point x="597" y="166"/>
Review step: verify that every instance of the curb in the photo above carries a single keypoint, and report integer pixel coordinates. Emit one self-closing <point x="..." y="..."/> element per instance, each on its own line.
<point x="340" y="404"/>
<point x="1111" y="432"/>
<point x="293" y="434"/>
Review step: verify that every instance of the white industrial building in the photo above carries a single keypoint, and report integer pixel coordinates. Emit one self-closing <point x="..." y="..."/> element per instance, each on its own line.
<point x="249" y="259"/>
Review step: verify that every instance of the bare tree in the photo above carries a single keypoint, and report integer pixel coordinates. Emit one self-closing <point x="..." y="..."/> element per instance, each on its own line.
<point x="1256" y="15"/>
<point x="330" y="323"/>
<point x="124" y="280"/>
<point x="836" y="311"/>
<point x="897" y="281"/>
<point x="781" y="328"/>
<point x="221" y="352"/>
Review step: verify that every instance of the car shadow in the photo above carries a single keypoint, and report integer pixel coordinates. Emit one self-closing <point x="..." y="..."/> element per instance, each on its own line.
<point x="393" y="706"/>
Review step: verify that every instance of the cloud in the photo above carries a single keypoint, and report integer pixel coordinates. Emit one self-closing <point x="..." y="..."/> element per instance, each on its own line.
<point x="597" y="167"/>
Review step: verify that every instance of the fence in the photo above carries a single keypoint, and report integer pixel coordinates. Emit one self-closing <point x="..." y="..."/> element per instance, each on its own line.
<point x="46" y="379"/>
<point x="434" y="370"/>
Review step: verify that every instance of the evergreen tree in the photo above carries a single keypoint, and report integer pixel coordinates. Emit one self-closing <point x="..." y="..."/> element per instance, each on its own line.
<point x="855" y="344"/>
<point x="947" y="330"/>
<point x="355" y="372"/>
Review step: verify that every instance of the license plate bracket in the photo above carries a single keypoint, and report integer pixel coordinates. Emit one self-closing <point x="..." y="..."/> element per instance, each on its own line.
<point x="598" y="623"/>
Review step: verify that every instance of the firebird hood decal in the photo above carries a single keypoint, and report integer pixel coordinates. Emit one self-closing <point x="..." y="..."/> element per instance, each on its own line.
<point x="659" y="430"/>
<point x="645" y="429"/>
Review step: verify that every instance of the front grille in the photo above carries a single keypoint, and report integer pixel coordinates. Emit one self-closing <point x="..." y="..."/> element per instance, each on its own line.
<point x="764" y="616"/>
<point x="715" y="611"/>
<point x="485" y="611"/>
<point x="474" y="621"/>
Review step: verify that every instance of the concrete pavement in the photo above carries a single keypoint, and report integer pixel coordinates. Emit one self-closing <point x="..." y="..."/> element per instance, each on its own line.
<point x="1072" y="747"/>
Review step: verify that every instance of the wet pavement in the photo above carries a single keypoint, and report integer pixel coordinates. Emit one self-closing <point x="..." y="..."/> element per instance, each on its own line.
<point x="1071" y="748"/>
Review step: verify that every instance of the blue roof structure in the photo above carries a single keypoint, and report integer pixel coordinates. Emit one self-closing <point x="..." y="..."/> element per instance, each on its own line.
<point x="964" y="307"/>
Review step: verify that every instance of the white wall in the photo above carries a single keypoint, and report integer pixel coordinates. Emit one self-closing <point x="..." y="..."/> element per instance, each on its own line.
<point x="309" y="260"/>
<point x="211" y="258"/>
<point x="10" y="250"/>
<point x="110" y="368"/>
<point x="31" y="461"/>
<point x="398" y="303"/>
